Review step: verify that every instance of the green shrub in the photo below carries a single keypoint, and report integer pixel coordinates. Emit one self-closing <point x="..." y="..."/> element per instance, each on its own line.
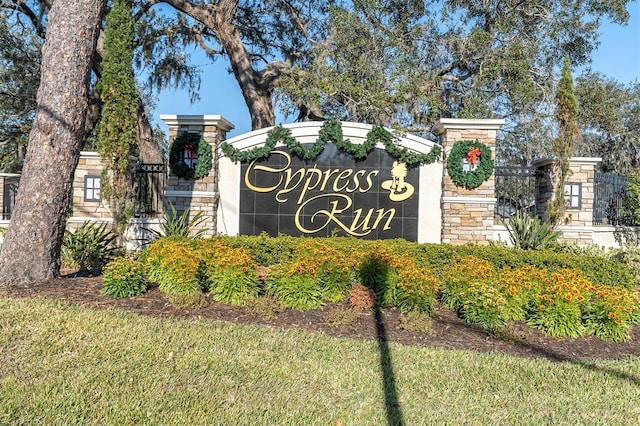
<point x="266" y="250"/>
<point x="124" y="277"/>
<point x="90" y="246"/>
<point x="375" y="273"/>
<point x="556" y="317"/>
<point x="528" y="232"/>
<point x="233" y="286"/>
<point x="231" y="272"/>
<point x="467" y="288"/>
<point x="175" y="265"/>
<point x="297" y="291"/>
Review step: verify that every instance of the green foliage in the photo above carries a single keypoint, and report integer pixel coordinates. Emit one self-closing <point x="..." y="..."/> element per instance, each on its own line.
<point x="89" y="247"/>
<point x="467" y="288"/>
<point x="117" y="129"/>
<point x="563" y="146"/>
<point x="631" y="205"/>
<point x="124" y="277"/>
<point x="175" y="225"/>
<point x="486" y="285"/>
<point x="469" y="179"/>
<point x="20" y="50"/>
<point x="606" y="111"/>
<point x="265" y="249"/>
<point x="175" y="265"/>
<point x="300" y="292"/>
<point x="528" y="232"/>
<point x="331" y="131"/>
<point x="265" y="307"/>
<point x="200" y="147"/>
<point x="233" y="286"/>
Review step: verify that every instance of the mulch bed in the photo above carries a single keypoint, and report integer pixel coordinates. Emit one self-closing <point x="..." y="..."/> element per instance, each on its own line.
<point x="447" y="330"/>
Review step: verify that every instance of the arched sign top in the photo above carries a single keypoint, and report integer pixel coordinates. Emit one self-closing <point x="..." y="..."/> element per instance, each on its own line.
<point x="308" y="132"/>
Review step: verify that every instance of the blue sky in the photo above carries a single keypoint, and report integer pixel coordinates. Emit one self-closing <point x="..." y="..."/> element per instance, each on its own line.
<point x="618" y="57"/>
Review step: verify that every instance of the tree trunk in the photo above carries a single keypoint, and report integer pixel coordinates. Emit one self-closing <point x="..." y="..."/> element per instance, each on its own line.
<point x="149" y="150"/>
<point x="30" y="252"/>
<point x="256" y="90"/>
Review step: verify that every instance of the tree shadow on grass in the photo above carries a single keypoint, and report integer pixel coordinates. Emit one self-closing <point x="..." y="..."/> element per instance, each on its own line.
<point x="374" y="274"/>
<point x="391" y="399"/>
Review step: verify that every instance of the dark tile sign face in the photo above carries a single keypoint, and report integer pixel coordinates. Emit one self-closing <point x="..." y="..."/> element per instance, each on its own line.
<point x="376" y="198"/>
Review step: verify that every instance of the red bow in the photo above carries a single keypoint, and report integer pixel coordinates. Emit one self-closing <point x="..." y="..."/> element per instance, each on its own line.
<point x="473" y="155"/>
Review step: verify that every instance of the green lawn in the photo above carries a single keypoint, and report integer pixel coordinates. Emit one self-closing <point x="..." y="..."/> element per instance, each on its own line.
<point x="64" y="365"/>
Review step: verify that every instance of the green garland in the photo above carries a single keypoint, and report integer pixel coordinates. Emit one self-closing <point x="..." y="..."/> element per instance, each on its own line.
<point x="475" y="178"/>
<point x="331" y="131"/>
<point x="202" y="150"/>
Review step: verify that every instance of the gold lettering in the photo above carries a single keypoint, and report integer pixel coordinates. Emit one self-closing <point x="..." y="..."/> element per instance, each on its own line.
<point x="259" y="167"/>
<point x="381" y="213"/>
<point x="343" y="175"/>
<point x="360" y="226"/>
<point x="356" y="180"/>
<point x="327" y="175"/>
<point x="373" y="173"/>
<point x="330" y="215"/>
<point x="287" y="184"/>
<point x="307" y="183"/>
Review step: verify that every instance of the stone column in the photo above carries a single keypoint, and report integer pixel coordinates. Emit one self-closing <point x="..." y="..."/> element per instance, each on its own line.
<point x="467" y="215"/>
<point x="200" y="195"/>
<point x="577" y="224"/>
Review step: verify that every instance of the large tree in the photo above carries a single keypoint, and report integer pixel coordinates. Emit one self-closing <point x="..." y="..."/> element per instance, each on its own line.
<point x="609" y="117"/>
<point x="262" y="40"/>
<point x="409" y="63"/>
<point x="30" y="252"/>
<point x="19" y="79"/>
<point x="22" y="32"/>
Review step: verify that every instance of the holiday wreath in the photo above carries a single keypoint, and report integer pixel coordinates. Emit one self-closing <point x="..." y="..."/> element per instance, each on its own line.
<point x="478" y="155"/>
<point x="200" y="147"/>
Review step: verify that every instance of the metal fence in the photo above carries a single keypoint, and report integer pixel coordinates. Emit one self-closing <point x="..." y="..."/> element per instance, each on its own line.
<point x="515" y="189"/>
<point x="609" y="194"/>
<point x="148" y="186"/>
<point x="9" y="198"/>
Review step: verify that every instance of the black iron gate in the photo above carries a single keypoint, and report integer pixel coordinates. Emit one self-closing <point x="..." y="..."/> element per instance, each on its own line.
<point x="515" y="189"/>
<point x="609" y="194"/>
<point x="148" y="187"/>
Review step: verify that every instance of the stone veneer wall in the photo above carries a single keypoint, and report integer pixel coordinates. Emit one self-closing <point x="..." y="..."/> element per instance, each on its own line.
<point x="89" y="164"/>
<point x="199" y="195"/>
<point x="467" y="215"/>
<point x="577" y="226"/>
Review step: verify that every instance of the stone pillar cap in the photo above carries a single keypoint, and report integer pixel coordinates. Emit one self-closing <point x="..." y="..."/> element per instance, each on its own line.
<point x="467" y="124"/>
<point x="175" y="120"/>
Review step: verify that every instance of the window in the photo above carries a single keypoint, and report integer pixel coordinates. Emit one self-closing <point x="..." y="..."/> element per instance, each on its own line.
<point x="189" y="156"/>
<point x="92" y="188"/>
<point x="572" y="195"/>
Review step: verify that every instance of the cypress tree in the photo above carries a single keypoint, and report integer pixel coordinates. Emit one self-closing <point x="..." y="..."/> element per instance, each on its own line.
<point x="117" y="128"/>
<point x="563" y="146"/>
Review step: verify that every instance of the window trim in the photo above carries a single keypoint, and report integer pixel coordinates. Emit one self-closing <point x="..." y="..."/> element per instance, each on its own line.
<point x="570" y="195"/>
<point x="92" y="194"/>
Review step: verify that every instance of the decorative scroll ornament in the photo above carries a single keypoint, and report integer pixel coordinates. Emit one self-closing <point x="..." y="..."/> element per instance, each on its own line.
<point x="478" y="157"/>
<point x="331" y="131"/>
<point x="182" y="160"/>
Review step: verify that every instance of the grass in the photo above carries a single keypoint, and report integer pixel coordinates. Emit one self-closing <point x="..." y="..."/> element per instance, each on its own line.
<point x="66" y="365"/>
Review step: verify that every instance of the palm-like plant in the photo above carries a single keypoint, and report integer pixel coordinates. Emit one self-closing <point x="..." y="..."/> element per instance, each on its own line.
<point x="528" y="232"/>
<point x="173" y="224"/>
